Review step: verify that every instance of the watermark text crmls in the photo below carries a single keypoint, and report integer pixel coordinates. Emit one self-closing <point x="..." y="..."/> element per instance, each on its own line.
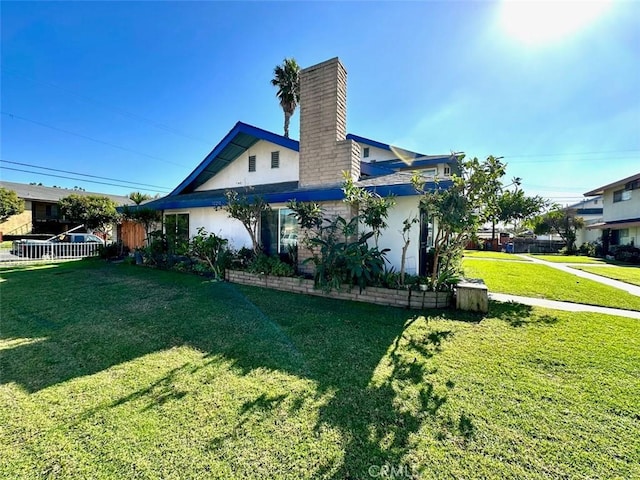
<point x="392" y="471"/>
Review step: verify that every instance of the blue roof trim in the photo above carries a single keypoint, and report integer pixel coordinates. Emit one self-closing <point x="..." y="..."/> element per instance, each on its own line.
<point x="257" y="133"/>
<point x="312" y="195"/>
<point x="374" y="143"/>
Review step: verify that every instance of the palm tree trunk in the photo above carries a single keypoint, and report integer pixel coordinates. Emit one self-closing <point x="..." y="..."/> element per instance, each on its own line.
<point x="287" y="117"/>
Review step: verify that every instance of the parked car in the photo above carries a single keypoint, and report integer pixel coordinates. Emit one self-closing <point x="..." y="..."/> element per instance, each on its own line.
<point x="66" y="245"/>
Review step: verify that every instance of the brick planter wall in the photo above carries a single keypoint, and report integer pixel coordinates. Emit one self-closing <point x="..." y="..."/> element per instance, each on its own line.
<point x="380" y="296"/>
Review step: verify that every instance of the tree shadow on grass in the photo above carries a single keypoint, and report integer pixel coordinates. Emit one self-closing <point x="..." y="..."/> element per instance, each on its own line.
<point x="518" y="315"/>
<point x="375" y="363"/>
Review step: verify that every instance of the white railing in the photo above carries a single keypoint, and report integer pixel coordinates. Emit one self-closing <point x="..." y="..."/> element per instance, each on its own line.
<point x="54" y="250"/>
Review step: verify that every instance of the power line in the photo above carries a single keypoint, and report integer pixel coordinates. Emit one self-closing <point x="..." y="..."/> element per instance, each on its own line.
<point x="11" y="115"/>
<point x="84" y="174"/>
<point x="76" y="179"/>
<point x="121" y="111"/>
<point x="583" y="160"/>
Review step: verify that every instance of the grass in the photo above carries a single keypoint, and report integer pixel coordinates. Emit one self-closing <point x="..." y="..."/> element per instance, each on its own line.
<point x="493" y="255"/>
<point x="569" y="258"/>
<point x="628" y="274"/>
<point x="116" y="371"/>
<point x="6" y="244"/>
<point x="541" y="281"/>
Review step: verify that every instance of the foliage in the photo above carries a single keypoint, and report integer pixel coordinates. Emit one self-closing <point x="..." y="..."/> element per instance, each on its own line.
<point x="211" y="249"/>
<point x="146" y="217"/>
<point x="10" y="204"/>
<point x="248" y="212"/>
<point x="372" y="208"/>
<point x="561" y="222"/>
<point x="113" y="250"/>
<point x="339" y="261"/>
<point x="460" y="209"/>
<point x="94" y="211"/>
<point x="286" y="78"/>
<point x="588" y="248"/>
<point x="515" y="208"/>
<point x="625" y="253"/>
<point x="139" y="197"/>
<point x="266" y="265"/>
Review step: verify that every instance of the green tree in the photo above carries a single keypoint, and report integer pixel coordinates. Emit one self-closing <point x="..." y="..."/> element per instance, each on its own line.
<point x="286" y="78"/>
<point x="561" y="222"/>
<point x="459" y="210"/>
<point x="516" y="208"/>
<point x="10" y="204"/>
<point x="96" y="212"/>
<point x="248" y="211"/>
<point x="139" y="197"/>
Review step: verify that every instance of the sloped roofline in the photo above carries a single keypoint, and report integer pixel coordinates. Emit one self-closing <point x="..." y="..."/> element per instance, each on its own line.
<point x="374" y="143"/>
<point x="239" y="127"/>
<point x="619" y="183"/>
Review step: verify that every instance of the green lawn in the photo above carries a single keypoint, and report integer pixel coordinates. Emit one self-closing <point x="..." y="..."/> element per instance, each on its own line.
<point x="492" y="255"/>
<point x="116" y="371"/>
<point x="628" y="274"/>
<point x="535" y="280"/>
<point x="568" y="258"/>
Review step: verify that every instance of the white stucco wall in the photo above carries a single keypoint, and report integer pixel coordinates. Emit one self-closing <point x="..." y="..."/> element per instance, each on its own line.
<point x="218" y="222"/>
<point x="375" y="154"/>
<point x="621" y="210"/>
<point x="237" y="173"/>
<point x="391" y="237"/>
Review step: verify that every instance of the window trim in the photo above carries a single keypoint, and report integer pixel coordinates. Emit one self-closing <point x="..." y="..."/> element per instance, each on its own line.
<point x="365" y="152"/>
<point x="252" y="163"/>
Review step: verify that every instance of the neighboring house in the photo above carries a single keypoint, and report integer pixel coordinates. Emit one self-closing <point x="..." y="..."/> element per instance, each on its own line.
<point x="41" y="214"/>
<point x="620" y="223"/>
<point x="590" y="210"/>
<point x="279" y="169"/>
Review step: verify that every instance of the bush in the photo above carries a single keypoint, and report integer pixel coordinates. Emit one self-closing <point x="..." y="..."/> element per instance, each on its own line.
<point x="626" y="253"/>
<point x="265" y="265"/>
<point x="588" y="248"/>
<point x="113" y="250"/>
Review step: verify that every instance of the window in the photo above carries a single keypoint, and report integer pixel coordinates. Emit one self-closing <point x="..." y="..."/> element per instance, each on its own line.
<point x="621" y="196"/>
<point x="447" y="170"/>
<point x="176" y="227"/>
<point x="365" y="152"/>
<point x="51" y="211"/>
<point x="252" y="163"/>
<point x="275" y="159"/>
<point x="278" y="231"/>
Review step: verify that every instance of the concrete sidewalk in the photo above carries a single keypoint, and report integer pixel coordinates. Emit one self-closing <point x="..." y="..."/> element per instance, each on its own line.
<point x="627" y="287"/>
<point x="566" y="306"/>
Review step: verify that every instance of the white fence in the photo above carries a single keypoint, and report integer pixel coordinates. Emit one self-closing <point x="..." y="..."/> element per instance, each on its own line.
<point x="30" y="250"/>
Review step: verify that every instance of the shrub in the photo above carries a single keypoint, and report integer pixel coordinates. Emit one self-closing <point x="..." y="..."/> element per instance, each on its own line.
<point x="266" y="265"/>
<point x="588" y="248"/>
<point x="626" y="253"/>
<point x="211" y="249"/>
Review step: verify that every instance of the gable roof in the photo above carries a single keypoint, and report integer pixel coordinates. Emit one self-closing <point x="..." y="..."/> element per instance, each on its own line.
<point x="240" y="138"/>
<point x="53" y="194"/>
<point x="383" y="146"/>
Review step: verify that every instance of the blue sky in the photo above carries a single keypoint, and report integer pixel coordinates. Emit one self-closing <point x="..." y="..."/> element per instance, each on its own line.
<point x="143" y="91"/>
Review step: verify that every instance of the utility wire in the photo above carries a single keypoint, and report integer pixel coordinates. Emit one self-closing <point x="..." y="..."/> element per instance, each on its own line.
<point x="121" y="111"/>
<point x="76" y="179"/>
<point x="604" y="152"/>
<point x="11" y="115"/>
<point x="83" y="174"/>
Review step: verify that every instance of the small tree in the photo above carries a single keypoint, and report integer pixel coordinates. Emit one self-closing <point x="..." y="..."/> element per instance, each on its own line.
<point x="407" y="224"/>
<point x="10" y="204"/>
<point x="459" y="210"/>
<point x="372" y="208"/>
<point x="515" y="208"/>
<point x="95" y="211"/>
<point x="561" y="222"/>
<point x="249" y="212"/>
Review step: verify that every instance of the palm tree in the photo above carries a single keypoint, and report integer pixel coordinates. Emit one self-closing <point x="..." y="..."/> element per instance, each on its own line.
<point x="139" y="197"/>
<point x="286" y="78"/>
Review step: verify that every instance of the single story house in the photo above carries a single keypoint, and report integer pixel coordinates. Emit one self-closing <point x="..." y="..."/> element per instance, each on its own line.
<point x="620" y="223"/>
<point x="41" y="214"/>
<point x="258" y="162"/>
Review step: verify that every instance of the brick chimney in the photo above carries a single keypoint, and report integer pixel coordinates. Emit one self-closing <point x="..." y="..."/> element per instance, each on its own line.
<point x="324" y="150"/>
